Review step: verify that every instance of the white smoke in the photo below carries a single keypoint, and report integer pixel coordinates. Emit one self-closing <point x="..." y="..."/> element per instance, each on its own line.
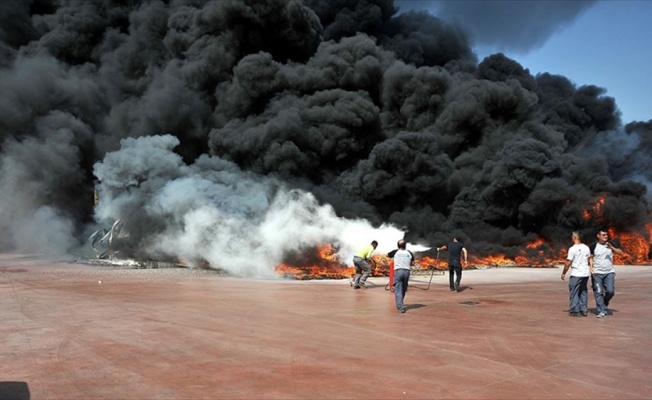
<point x="45" y="231"/>
<point x="212" y="211"/>
<point x="386" y="117"/>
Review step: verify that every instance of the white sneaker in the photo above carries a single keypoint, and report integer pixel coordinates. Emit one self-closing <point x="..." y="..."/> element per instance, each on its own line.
<point x="602" y="315"/>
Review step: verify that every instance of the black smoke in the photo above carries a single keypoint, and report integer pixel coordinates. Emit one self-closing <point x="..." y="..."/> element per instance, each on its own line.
<point x="238" y="131"/>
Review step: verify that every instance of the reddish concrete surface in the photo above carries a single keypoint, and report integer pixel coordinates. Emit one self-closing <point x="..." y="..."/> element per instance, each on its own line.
<point x="180" y="334"/>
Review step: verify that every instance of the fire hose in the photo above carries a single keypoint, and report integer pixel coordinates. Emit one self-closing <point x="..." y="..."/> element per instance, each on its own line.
<point x="372" y="268"/>
<point x="390" y="284"/>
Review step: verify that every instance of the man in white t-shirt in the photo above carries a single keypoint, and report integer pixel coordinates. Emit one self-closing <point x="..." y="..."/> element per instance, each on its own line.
<point x="578" y="262"/>
<point x="603" y="273"/>
<point x="403" y="261"/>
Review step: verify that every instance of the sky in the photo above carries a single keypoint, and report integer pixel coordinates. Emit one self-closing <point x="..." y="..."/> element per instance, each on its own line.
<point x="602" y="43"/>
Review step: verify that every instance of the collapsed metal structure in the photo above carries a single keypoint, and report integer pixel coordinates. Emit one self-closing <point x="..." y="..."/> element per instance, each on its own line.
<point x="103" y="240"/>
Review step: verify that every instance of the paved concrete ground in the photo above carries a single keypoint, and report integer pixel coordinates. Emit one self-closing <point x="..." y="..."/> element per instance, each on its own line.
<point x="188" y="334"/>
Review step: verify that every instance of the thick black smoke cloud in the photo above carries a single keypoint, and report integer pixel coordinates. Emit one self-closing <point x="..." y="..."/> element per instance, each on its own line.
<point x="238" y="131"/>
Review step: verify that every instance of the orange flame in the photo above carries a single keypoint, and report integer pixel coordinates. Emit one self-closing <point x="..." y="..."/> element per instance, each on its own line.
<point x="635" y="246"/>
<point x="595" y="212"/>
<point x="536" y="243"/>
<point x="322" y="262"/>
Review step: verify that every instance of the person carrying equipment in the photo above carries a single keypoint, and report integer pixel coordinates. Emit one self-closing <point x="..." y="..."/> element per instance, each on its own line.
<point x="455" y="262"/>
<point x="403" y="262"/>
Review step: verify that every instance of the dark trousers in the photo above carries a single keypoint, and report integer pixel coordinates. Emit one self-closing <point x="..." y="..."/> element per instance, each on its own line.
<point x="456" y="269"/>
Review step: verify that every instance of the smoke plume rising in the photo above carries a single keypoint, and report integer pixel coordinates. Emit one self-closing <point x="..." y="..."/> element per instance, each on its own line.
<point x="235" y="132"/>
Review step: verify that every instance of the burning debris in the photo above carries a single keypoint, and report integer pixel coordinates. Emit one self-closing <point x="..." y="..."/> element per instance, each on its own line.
<point x="238" y="134"/>
<point x="323" y="262"/>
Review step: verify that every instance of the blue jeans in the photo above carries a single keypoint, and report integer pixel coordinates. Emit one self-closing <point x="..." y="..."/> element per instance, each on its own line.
<point x="401" y="278"/>
<point x="604" y="288"/>
<point x="579" y="293"/>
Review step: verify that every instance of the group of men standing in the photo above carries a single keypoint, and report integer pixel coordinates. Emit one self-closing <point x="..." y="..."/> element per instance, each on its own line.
<point x="596" y="262"/>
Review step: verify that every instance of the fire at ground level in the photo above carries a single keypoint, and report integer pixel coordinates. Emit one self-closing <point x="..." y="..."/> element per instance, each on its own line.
<point x="77" y="331"/>
<point x="324" y="262"/>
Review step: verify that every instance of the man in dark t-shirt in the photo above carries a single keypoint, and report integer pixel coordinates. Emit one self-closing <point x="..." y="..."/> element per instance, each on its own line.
<point x="457" y="257"/>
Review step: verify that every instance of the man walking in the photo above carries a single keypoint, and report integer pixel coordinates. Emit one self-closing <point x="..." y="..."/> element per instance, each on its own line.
<point x="457" y="258"/>
<point x="403" y="261"/>
<point x="360" y="262"/>
<point x="603" y="274"/>
<point x="578" y="262"/>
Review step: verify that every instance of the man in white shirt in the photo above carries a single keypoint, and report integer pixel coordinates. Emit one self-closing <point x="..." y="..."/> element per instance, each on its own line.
<point x="403" y="261"/>
<point x="578" y="262"/>
<point x="603" y="272"/>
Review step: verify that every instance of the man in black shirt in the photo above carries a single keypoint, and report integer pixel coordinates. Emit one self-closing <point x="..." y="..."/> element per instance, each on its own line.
<point x="457" y="257"/>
